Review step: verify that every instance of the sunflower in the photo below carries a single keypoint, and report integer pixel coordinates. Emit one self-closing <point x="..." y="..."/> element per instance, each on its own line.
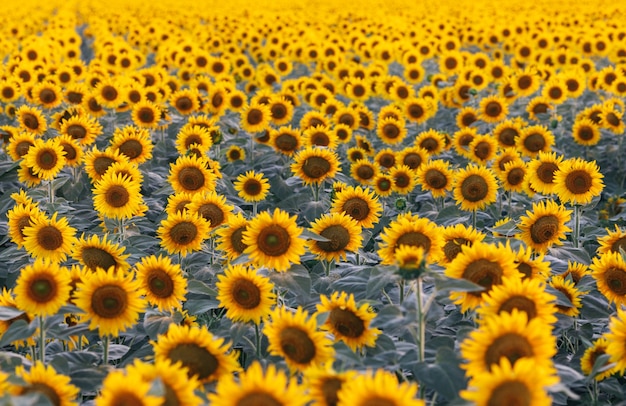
<point x="385" y="158"/>
<point x="355" y="154"/>
<point x="578" y="181"/>
<point x="185" y="101"/>
<point x="285" y="140"/>
<point x="530" y="264"/>
<point x="252" y="186"/>
<point x="522" y="383"/>
<point x="417" y="109"/>
<point x="319" y="136"/>
<point x="324" y="383"/>
<point x="403" y="179"/>
<point x="49" y="238"/>
<point x="273" y="240"/>
<point x="539" y="107"/>
<point x="466" y="117"/>
<point x="569" y="290"/>
<point x="525" y="82"/>
<point x="83" y="129"/>
<point x="576" y="271"/>
<point x="212" y="207"/>
<point x="133" y="142"/>
<point x="111" y="301"/>
<point x="363" y="171"/>
<point x="507" y="132"/>
<point x="616" y="338"/>
<point x="246" y="295"/>
<point x="146" y="114"/>
<point x="190" y="174"/>
<point x="235" y="153"/>
<point x="230" y="237"/>
<point x="609" y="271"/>
<point x="508" y="335"/>
<point x="482" y="148"/>
<point x="47" y="94"/>
<point x="586" y="132"/>
<point x="611" y="119"/>
<point x="122" y="388"/>
<point x="410" y="231"/>
<point x="98" y="162"/>
<point x="378" y="387"/>
<point x="391" y="131"/>
<point x="42" y="288"/>
<point x="541" y="171"/>
<point x="206" y="357"/>
<point x="483" y="264"/>
<point x="20" y="217"/>
<point x="347" y="322"/>
<point x="544" y="225"/>
<point x="161" y="282"/>
<point x="432" y="141"/>
<point x="493" y="109"/>
<point x="555" y="90"/>
<point x="31" y="119"/>
<point x="72" y="149"/>
<point x="474" y="187"/>
<point x="117" y="196"/>
<point x="526" y="295"/>
<point x="314" y="165"/>
<point x="56" y="388"/>
<point x="281" y="110"/>
<point x="513" y="176"/>
<point x="455" y="237"/>
<point x="98" y="252"/>
<point x="534" y="139"/>
<point x="183" y="232"/>
<point x="46" y="158"/>
<point x="614" y="241"/>
<point x="256" y="117"/>
<point x="589" y="358"/>
<point x="294" y="336"/>
<point x="257" y="387"/>
<point x="342" y="232"/>
<point x="360" y="204"/>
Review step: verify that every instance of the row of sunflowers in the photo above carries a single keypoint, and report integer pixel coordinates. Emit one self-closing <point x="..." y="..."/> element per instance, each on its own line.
<point x="295" y="203"/>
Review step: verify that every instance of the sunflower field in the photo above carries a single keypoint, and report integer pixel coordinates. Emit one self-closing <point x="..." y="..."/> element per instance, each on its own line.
<point x="374" y="203"/>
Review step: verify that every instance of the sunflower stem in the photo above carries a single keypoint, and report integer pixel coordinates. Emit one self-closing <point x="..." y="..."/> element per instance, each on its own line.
<point x="42" y="341"/>
<point x="401" y="285"/>
<point x="576" y="233"/>
<point x="474" y="219"/>
<point x="254" y="209"/>
<point x="421" y="327"/>
<point x="50" y="192"/>
<point x="106" y="342"/>
<point x="257" y="336"/>
<point x="122" y="230"/>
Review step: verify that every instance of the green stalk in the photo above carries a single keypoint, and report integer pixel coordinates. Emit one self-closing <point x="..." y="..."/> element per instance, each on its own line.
<point x="42" y="341"/>
<point x="421" y="327"/>
<point x="257" y="335"/>
<point x="106" y="341"/>
<point x="50" y="192"/>
<point x="576" y="233"/>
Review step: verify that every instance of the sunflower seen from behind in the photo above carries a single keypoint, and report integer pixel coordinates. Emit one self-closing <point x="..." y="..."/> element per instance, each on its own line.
<point x="259" y="386"/>
<point x="294" y="336"/>
<point x="42" y="287"/>
<point x="206" y="357"/>
<point x="162" y="282"/>
<point x="246" y="295"/>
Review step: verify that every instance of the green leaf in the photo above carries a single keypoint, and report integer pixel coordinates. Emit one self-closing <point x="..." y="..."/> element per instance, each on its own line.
<point x="436" y="378"/>
<point x="156" y="323"/>
<point x="600" y="365"/>
<point x="200" y="288"/>
<point x="8" y="313"/>
<point x="379" y="278"/>
<point x="443" y="283"/>
<point x="19" y="330"/>
<point x="309" y="235"/>
<point x="296" y="280"/>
